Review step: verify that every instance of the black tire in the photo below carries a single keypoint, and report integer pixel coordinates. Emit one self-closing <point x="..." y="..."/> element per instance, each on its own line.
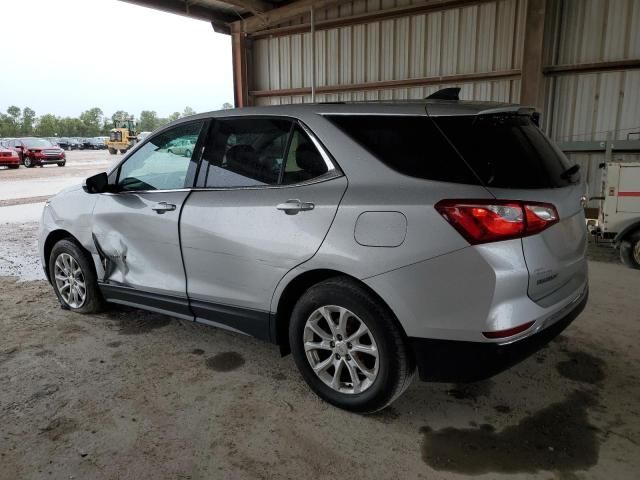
<point x="187" y="153"/>
<point x="630" y="249"/>
<point x="61" y="164"/>
<point x="396" y="367"/>
<point x="170" y="151"/>
<point x="28" y="162"/>
<point x="93" y="302"/>
<point x="112" y="151"/>
<point x="123" y="152"/>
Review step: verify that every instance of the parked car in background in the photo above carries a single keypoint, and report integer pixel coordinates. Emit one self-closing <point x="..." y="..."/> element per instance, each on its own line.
<point x="63" y="142"/>
<point x="75" y="144"/>
<point x="37" y="152"/>
<point x="182" y="146"/>
<point x="8" y="157"/>
<point x="95" y="143"/>
<point x="367" y="239"/>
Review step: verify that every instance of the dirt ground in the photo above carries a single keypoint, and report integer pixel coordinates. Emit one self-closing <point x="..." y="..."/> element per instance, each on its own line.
<point x="129" y="394"/>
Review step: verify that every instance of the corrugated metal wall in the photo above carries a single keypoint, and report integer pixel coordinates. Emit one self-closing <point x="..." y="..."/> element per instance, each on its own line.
<point x="588" y="106"/>
<point x="478" y="38"/>
<point x="474" y="39"/>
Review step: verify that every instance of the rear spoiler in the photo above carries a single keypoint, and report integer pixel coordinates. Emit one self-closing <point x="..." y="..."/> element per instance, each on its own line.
<point x="518" y="110"/>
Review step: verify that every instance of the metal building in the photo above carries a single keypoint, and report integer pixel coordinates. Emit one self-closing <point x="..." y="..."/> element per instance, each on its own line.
<point x="577" y="61"/>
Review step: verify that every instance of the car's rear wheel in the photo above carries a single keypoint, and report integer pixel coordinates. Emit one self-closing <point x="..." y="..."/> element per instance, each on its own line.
<point x="630" y="249"/>
<point x="187" y="153"/>
<point x="112" y="151"/>
<point x="28" y="162"/>
<point x="349" y="347"/>
<point x="61" y="164"/>
<point x="73" y="278"/>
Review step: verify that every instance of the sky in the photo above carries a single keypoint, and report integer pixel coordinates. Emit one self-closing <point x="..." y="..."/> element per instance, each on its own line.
<point x="67" y="56"/>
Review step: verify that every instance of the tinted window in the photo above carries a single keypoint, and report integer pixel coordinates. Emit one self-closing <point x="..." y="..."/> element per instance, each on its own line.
<point x="304" y="161"/>
<point x="411" y="145"/>
<point x="506" y="150"/>
<point x="246" y="152"/>
<point x="158" y="166"/>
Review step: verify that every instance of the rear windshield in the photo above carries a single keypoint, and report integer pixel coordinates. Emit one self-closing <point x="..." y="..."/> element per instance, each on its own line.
<point x="506" y="150"/>
<point x="411" y="145"/>
<point x="499" y="150"/>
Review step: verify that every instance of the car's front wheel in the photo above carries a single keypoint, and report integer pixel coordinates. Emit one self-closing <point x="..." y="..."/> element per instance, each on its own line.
<point x="74" y="279"/>
<point x="28" y="162"/>
<point x="61" y="164"/>
<point x="349" y="347"/>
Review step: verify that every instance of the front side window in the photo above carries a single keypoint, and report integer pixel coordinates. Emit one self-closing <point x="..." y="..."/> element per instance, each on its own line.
<point x="158" y="165"/>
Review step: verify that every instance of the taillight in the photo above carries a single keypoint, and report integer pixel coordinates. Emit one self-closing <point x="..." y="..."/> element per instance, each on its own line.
<point x="482" y="221"/>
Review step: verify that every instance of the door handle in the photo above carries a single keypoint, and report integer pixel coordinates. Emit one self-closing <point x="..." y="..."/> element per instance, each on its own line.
<point x="162" y="207"/>
<point x="292" y="207"/>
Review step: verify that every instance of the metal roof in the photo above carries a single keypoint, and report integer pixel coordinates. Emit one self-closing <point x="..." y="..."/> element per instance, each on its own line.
<point x="219" y="13"/>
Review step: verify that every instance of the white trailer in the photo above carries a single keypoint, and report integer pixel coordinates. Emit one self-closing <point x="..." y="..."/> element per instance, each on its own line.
<point x="619" y="217"/>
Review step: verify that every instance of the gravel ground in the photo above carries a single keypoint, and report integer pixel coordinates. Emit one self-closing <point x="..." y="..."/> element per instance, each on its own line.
<point x="129" y="394"/>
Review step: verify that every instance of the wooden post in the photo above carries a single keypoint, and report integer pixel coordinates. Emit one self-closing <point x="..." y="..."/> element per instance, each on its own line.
<point x="532" y="88"/>
<point x="240" y="77"/>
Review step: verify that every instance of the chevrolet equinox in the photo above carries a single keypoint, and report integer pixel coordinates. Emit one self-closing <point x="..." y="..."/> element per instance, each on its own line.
<point x="369" y="240"/>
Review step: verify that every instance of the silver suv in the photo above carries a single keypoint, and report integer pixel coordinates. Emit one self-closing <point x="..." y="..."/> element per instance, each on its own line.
<point x="369" y="240"/>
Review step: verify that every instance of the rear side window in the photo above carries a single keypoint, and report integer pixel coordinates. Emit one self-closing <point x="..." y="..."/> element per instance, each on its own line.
<point x="411" y="145"/>
<point x="506" y="150"/>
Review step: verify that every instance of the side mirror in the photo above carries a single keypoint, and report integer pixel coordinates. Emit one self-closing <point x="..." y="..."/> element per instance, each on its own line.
<point x="96" y="184"/>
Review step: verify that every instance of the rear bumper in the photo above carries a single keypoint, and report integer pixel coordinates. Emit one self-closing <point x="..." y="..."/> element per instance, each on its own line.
<point x="9" y="161"/>
<point x="460" y="361"/>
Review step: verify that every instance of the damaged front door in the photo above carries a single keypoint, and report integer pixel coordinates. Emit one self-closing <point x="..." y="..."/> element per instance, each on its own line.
<point x="136" y="227"/>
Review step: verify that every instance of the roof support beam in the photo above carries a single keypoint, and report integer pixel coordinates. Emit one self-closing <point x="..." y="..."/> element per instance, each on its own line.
<point x="179" y="7"/>
<point x="254" y="6"/>
<point x="417" y="8"/>
<point x="279" y="15"/>
<point x="385" y="84"/>
<point x="532" y="92"/>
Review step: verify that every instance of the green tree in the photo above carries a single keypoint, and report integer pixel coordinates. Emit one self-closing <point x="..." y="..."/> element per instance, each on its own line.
<point x="28" y="121"/>
<point x="47" y="126"/>
<point x="173" y="117"/>
<point x="71" y="127"/>
<point x="120" y="115"/>
<point x="188" y="111"/>
<point x="92" y="121"/>
<point x="13" y="113"/>
<point x="149" y="121"/>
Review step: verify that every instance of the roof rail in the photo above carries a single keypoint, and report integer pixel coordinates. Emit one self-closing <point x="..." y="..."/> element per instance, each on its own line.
<point x="452" y="93"/>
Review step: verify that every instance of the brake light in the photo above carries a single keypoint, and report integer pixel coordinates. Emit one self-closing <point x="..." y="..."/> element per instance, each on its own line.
<point x="483" y="221"/>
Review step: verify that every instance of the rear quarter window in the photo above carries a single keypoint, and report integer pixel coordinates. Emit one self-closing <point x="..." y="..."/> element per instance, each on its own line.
<point x="411" y="145"/>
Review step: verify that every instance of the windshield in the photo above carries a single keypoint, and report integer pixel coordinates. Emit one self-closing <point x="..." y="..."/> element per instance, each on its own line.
<point x="37" y="142"/>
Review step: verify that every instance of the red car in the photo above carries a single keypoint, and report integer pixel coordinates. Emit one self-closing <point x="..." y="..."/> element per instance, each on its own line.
<point x="37" y="151"/>
<point x="9" y="158"/>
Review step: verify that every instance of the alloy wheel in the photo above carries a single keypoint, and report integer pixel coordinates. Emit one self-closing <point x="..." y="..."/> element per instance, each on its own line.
<point x="341" y="349"/>
<point x="636" y="252"/>
<point x="70" y="281"/>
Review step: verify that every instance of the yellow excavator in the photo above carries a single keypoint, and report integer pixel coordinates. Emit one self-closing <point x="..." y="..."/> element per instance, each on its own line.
<point x="122" y="136"/>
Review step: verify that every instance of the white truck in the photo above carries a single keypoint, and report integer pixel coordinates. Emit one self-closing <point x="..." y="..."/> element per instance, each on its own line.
<point x="619" y="217"/>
